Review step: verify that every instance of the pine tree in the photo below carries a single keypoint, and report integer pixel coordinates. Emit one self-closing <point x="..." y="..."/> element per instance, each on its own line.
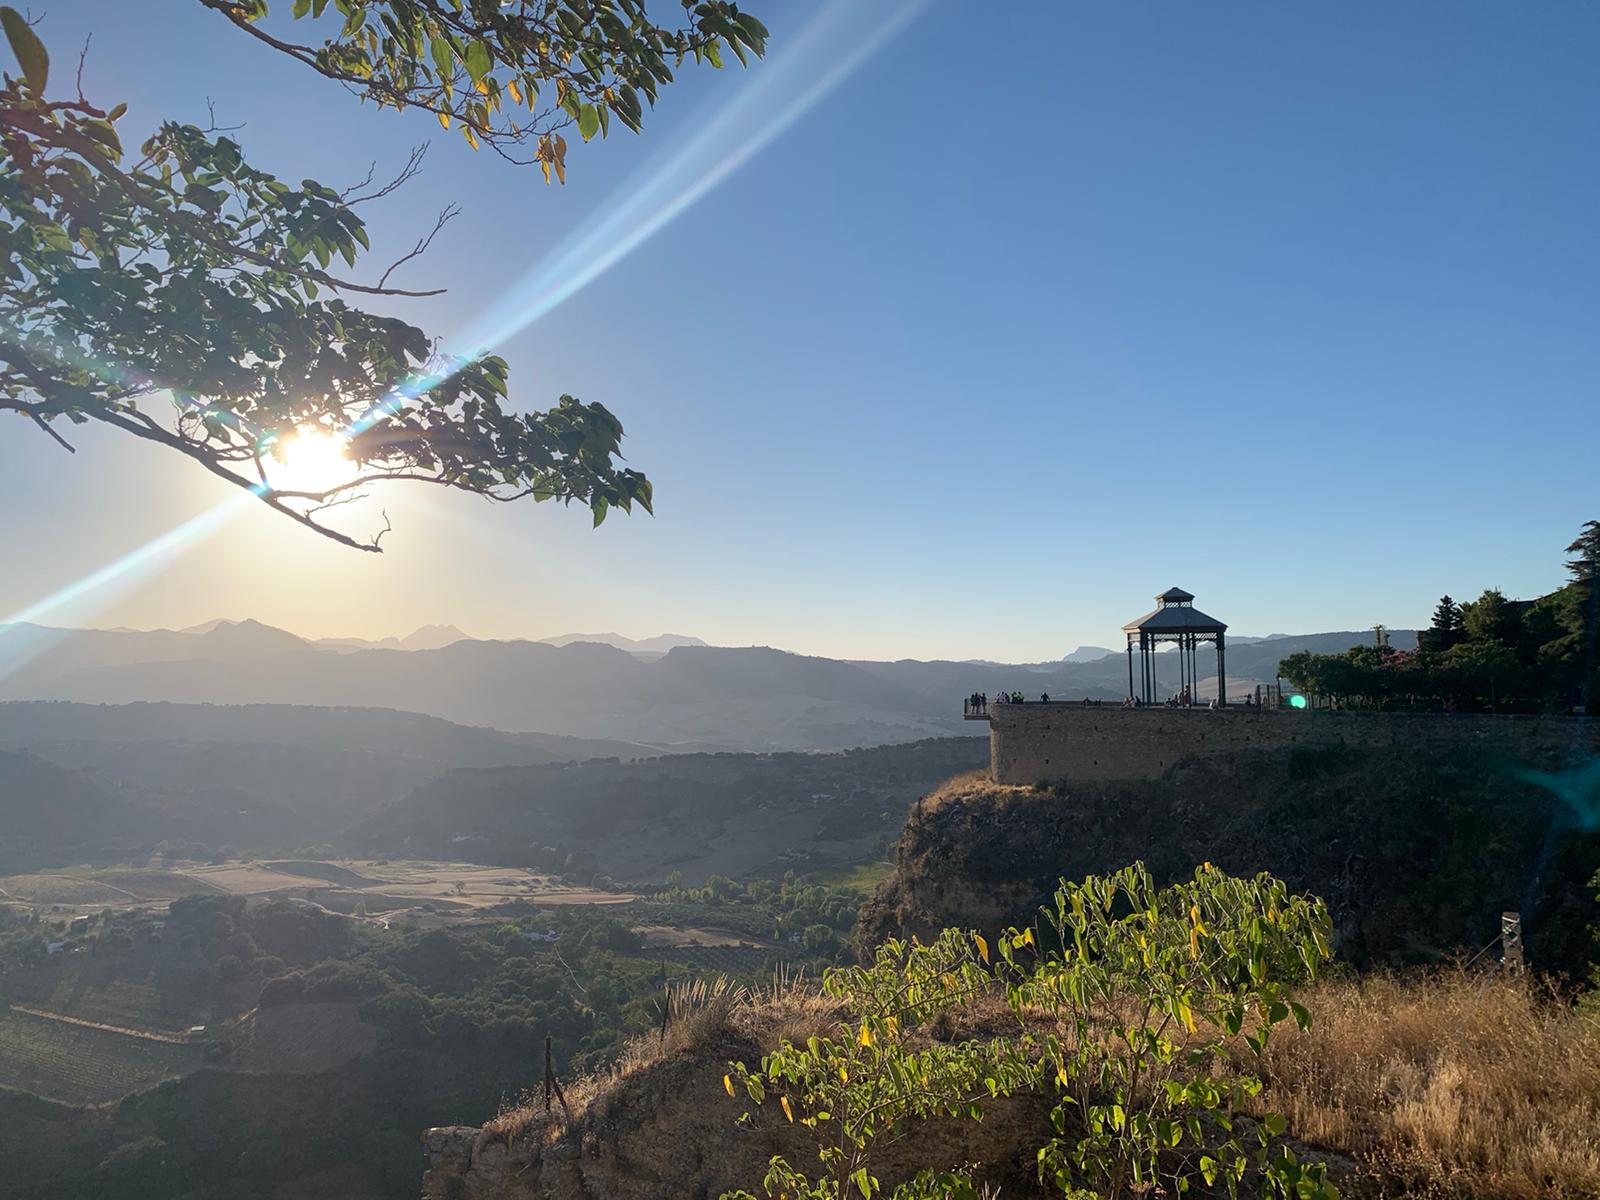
<point x="1585" y="567"/>
<point x="1448" y="628"/>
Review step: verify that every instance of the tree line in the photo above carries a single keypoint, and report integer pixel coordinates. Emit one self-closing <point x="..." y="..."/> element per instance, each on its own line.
<point x="1489" y="654"/>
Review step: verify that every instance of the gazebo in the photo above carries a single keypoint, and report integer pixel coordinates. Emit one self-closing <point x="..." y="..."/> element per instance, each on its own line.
<point x="1175" y="619"/>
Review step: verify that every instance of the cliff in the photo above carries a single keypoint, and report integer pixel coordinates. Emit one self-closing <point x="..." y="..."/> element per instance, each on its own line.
<point x="1416" y="849"/>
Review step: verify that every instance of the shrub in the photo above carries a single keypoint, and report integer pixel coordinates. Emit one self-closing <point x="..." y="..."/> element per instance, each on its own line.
<point x="1124" y="1022"/>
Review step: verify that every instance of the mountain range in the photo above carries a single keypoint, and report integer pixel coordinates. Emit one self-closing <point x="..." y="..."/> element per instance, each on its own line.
<point x="691" y="696"/>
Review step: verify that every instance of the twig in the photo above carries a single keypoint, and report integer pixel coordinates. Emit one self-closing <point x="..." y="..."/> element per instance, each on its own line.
<point x="407" y="173"/>
<point x="449" y="212"/>
<point x="82" y="55"/>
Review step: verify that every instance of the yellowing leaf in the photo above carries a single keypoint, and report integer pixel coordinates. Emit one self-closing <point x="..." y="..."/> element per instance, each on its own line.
<point x="983" y="947"/>
<point x="471" y="139"/>
<point x="1061" y="1075"/>
<point x="444" y="120"/>
<point x="727" y="1083"/>
<point x="787" y="1111"/>
<point x="866" y="1035"/>
<point x="844" y="1076"/>
<point x="516" y="92"/>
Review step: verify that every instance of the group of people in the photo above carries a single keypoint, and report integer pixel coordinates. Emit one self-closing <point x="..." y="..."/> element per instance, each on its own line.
<point x="978" y="702"/>
<point x="1184" y="699"/>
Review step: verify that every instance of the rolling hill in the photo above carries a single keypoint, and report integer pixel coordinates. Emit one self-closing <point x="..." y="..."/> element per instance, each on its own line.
<point x="689" y="697"/>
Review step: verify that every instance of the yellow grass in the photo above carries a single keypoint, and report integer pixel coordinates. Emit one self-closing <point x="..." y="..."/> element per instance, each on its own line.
<point x="1446" y="1086"/>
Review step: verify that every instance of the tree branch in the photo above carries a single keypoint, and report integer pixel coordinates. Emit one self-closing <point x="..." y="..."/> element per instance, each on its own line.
<point x="446" y="215"/>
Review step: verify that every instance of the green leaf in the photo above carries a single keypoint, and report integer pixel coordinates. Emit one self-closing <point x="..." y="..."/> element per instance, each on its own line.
<point x="588" y="121"/>
<point x="443" y="60"/>
<point x="478" y="60"/>
<point x="30" y="51"/>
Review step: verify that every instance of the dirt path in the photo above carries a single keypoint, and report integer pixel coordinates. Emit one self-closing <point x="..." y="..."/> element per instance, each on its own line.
<point x="148" y="1035"/>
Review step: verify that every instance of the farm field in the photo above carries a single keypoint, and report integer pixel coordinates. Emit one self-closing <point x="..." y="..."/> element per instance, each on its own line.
<point x="76" y="1064"/>
<point x="114" y="1001"/>
<point x="463" y="887"/>
<point x="446" y="889"/>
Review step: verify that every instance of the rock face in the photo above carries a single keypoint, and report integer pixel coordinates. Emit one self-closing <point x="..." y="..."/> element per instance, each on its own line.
<point x="1416" y="849"/>
<point x="668" y="1131"/>
<point x="1033" y="743"/>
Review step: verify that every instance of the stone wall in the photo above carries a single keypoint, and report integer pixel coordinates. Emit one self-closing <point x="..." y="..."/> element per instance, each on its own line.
<point x="1032" y="743"/>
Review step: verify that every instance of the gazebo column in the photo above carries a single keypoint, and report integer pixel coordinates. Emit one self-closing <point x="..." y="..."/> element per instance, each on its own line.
<point x="1222" y="674"/>
<point x="1129" y="640"/>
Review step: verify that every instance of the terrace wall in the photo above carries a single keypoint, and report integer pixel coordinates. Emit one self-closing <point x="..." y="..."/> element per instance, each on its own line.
<point x="1032" y="743"/>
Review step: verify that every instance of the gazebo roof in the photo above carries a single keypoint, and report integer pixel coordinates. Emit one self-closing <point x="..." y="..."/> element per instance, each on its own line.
<point x="1176" y="614"/>
<point x="1173" y="619"/>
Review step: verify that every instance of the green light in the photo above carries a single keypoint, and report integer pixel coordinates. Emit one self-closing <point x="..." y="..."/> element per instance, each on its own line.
<point x="1297" y="701"/>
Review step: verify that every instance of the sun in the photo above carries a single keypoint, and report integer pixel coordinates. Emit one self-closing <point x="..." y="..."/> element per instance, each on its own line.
<point x="310" y="460"/>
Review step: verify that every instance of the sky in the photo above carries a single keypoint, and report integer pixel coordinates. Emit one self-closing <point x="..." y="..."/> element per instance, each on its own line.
<point x="964" y="349"/>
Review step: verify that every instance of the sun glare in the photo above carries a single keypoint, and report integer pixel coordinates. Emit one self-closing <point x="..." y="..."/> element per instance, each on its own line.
<point x="312" y="461"/>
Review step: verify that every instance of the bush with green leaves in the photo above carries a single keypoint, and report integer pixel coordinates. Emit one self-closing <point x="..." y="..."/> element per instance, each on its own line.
<point x="1125" y="1022"/>
<point x="878" y="1071"/>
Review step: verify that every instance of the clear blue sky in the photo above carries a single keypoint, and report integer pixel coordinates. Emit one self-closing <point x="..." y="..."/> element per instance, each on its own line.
<point x="1293" y="306"/>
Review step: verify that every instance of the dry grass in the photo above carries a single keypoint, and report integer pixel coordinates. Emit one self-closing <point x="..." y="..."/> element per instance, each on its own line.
<point x="1446" y="1086"/>
<point x="702" y="1015"/>
<point x="1442" y="1086"/>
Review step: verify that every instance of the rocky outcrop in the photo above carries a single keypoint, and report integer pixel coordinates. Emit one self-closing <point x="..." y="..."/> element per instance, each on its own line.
<point x="1417" y="851"/>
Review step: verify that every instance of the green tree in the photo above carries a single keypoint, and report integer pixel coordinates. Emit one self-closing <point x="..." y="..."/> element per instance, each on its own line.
<point x="1584" y="566"/>
<point x="1491" y="617"/>
<point x="1448" y="627"/>
<point x="184" y="297"/>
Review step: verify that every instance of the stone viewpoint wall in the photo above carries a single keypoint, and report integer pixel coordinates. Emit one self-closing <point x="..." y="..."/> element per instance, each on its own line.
<point x="1032" y="743"/>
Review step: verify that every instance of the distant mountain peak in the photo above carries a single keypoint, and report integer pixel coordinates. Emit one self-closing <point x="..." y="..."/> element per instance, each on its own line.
<point x="433" y="637"/>
<point x="659" y="644"/>
<point x="1087" y="654"/>
<point x="249" y="637"/>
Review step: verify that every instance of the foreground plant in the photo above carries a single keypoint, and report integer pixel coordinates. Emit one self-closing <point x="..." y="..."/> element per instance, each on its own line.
<point x="878" y="1070"/>
<point x="1123" y="1021"/>
<point x="1136" y="1002"/>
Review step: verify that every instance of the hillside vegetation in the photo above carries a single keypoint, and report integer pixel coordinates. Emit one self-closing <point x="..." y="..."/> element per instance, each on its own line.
<point x="695" y="814"/>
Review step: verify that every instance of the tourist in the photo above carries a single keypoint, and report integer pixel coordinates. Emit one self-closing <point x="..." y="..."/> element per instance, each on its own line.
<point x="1044" y="697"/>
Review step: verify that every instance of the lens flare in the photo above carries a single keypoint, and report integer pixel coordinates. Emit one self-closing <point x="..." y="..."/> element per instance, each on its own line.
<point x="780" y="92"/>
